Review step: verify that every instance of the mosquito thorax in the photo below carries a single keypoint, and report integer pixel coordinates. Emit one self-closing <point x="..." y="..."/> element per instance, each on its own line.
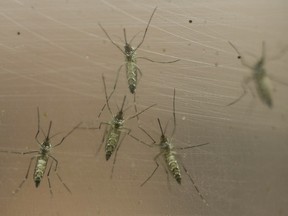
<point x="45" y="147"/>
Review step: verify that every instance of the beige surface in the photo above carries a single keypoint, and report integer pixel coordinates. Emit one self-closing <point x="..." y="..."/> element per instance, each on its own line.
<point x="56" y="63"/>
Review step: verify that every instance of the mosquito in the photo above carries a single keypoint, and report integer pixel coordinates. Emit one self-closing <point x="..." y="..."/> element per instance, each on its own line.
<point x="132" y="69"/>
<point x="167" y="150"/>
<point x="115" y="127"/>
<point x="42" y="157"/>
<point x="259" y="76"/>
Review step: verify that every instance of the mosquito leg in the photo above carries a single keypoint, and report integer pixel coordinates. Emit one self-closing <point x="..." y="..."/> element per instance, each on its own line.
<point x="103" y="139"/>
<point x="115" y="156"/>
<point x="70" y="132"/>
<point x="193" y="146"/>
<point x="144" y="35"/>
<point x="59" y="177"/>
<point x="157" y="165"/>
<point x="108" y="36"/>
<point x="195" y="186"/>
<point x="48" y="177"/>
<point x="240" y="56"/>
<point x="16" y="152"/>
<point x="165" y="62"/>
<point x="26" y="176"/>
<point x="244" y="87"/>
<point x="139" y="125"/>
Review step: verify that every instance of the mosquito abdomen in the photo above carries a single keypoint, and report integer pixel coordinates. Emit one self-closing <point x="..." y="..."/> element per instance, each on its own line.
<point x="264" y="91"/>
<point x="112" y="141"/>
<point x="40" y="169"/>
<point x="131" y="73"/>
<point x="173" y="166"/>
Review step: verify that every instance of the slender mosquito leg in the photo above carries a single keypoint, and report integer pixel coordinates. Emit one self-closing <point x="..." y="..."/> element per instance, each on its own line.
<point x="59" y="177"/>
<point x="168" y="177"/>
<point x="116" y="153"/>
<point x="103" y="139"/>
<point x="157" y="165"/>
<point x="166" y="62"/>
<point x="193" y="146"/>
<point x="244" y="87"/>
<point x="241" y="57"/>
<point x="70" y="132"/>
<point x="108" y="36"/>
<point x="48" y="177"/>
<point x="195" y="186"/>
<point x="26" y="176"/>
<point x="139" y="125"/>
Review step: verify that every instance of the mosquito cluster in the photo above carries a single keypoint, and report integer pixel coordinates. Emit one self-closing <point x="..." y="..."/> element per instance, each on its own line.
<point x="116" y="129"/>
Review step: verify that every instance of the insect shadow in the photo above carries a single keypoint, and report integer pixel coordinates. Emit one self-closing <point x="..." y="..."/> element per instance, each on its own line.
<point x="167" y="150"/>
<point x="259" y="76"/>
<point x="115" y="131"/>
<point x="132" y="69"/>
<point x="42" y="156"/>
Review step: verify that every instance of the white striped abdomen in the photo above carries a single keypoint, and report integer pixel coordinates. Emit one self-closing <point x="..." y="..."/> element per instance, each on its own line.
<point x="40" y="168"/>
<point x="173" y="165"/>
<point x="112" y="141"/>
<point x="131" y="73"/>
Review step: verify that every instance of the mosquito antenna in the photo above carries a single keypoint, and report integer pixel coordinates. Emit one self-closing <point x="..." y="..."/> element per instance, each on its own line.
<point x="49" y="129"/>
<point x="263" y="51"/>
<point x="108" y="36"/>
<point x="38" y="130"/>
<point x="145" y="30"/>
<point x="160" y="126"/>
<point x="174" y="114"/>
<point x="125" y="37"/>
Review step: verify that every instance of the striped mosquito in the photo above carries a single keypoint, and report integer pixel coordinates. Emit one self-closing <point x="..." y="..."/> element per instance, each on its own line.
<point x="132" y="69"/>
<point x="259" y="76"/>
<point x="167" y="150"/>
<point x="115" y="127"/>
<point x="42" y="156"/>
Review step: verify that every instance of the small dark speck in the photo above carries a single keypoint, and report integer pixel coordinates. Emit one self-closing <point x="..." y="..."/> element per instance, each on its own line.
<point x="239" y="57"/>
<point x="190" y="21"/>
<point x="18" y="33"/>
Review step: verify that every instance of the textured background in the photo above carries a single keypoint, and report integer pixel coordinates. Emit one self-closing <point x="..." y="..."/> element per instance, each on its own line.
<point x="52" y="55"/>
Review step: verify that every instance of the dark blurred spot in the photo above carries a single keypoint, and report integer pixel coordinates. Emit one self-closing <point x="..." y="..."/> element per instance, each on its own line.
<point x="190" y="21"/>
<point x="239" y="57"/>
<point x="18" y="33"/>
